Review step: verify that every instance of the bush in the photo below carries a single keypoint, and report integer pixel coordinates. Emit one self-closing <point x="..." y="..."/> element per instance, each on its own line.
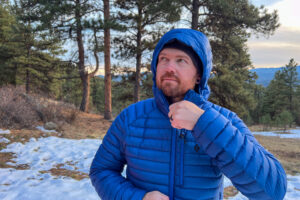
<point x="21" y="110"/>
<point x="266" y="122"/>
<point x="284" y="119"/>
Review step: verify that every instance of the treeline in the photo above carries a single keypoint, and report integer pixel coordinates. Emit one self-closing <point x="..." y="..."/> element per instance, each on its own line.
<point x="33" y="52"/>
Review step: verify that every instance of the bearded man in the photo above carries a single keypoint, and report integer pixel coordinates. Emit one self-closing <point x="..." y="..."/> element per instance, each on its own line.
<point x="178" y="145"/>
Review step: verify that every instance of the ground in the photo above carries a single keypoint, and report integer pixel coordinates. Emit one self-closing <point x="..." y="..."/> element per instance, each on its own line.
<point x="94" y="126"/>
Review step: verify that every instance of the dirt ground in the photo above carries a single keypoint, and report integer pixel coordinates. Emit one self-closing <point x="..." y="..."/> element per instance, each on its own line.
<point x="86" y="125"/>
<point x="95" y="126"/>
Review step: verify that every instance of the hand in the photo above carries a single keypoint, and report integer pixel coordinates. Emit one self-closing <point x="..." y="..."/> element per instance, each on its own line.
<point x="155" y="195"/>
<point x="184" y="114"/>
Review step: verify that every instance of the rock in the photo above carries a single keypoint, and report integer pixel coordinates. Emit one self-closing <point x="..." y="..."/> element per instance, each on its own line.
<point x="50" y="126"/>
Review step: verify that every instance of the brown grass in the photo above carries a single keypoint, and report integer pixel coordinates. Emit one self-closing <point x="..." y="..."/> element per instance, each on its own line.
<point x="286" y="150"/>
<point x="86" y="126"/>
<point x="59" y="171"/>
<point x="256" y="128"/>
<point x="21" y="110"/>
<point x="229" y="191"/>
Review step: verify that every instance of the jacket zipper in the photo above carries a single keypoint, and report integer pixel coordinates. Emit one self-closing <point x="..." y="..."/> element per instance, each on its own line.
<point x="173" y="160"/>
<point x="182" y="141"/>
<point x="181" y="134"/>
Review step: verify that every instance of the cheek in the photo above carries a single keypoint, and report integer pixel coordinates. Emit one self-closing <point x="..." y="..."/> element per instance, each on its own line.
<point x="158" y="73"/>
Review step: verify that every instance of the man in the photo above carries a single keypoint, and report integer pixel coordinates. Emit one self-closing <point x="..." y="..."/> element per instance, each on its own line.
<point x="178" y="145"/>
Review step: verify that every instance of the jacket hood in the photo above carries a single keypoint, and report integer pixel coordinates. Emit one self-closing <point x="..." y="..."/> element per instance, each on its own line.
<point x="199" y="43"/>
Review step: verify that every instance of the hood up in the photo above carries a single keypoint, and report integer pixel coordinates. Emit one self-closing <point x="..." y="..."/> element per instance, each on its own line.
<point x="200" y="44"/>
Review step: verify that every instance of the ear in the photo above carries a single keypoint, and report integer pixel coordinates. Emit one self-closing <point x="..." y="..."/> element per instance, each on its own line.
<point x="198" y="79"/>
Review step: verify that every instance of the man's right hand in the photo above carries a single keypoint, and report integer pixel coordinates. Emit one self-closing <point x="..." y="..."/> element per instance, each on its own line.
<point x="155" y="195"/>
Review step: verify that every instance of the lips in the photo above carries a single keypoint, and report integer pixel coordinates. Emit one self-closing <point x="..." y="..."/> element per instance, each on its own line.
<point x="168" y="77"/>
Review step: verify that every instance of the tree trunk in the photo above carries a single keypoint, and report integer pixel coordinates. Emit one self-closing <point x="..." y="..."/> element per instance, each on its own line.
<point x="136" y="95"/>
<point x="107" y="77"/>
<point x="27" y="81"/>
<point x="85" y="79"/>
<point x="195" y="14"/>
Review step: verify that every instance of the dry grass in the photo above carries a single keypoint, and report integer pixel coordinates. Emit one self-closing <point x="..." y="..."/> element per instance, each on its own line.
<point x="229" y="191"/>
<point x="257" y="128"/>
<point x="286" y="150"/>
<point x="86" y="126"/>
<point x="58" y="171"/>
<point x="20" y="110"/>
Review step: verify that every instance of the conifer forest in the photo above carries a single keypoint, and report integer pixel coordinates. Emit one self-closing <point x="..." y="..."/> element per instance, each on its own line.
<point x="59" y="47"/>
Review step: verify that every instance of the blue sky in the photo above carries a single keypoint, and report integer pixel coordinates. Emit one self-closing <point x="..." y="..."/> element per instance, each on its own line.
<point x="277" y="50"/>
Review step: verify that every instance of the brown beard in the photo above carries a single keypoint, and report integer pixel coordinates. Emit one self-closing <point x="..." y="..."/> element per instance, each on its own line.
<point x="167" y="90"/>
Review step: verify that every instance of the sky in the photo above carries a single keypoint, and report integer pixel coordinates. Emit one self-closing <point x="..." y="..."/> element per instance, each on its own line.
<point x="278" y="49"/>
<point x="43" y="154"/>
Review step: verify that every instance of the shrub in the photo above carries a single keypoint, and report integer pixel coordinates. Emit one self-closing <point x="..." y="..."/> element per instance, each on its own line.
<point x="21" y="110"/>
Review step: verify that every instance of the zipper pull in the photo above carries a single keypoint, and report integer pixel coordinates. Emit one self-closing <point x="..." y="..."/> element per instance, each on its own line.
<point x="182" y="135"/>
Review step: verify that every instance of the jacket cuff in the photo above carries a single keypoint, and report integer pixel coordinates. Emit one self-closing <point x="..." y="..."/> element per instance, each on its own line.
<point x="204" y="120"/>
<point x="209" y="126"/>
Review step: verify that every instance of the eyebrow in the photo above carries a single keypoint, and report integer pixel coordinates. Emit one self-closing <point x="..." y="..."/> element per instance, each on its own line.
<point x="177" y="56"/>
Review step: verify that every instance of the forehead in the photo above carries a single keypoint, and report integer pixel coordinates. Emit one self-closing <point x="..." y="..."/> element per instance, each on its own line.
<point x="173" y="52"/>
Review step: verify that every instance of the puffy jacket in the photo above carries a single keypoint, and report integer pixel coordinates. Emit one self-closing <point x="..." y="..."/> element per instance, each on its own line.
<point x="180" y="163"/>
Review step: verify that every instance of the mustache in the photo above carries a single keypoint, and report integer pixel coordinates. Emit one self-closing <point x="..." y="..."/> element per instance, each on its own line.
<point x="169" y="75"/>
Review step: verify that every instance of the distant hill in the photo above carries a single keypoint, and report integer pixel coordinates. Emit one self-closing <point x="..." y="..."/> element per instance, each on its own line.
<point x="265" y="75"/>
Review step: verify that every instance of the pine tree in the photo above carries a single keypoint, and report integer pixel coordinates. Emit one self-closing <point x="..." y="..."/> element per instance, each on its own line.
<point x="228" y="25"/>
<point x="281" y="94"/>
<point x="9" y="48"/>
<point x="107" y="77"/>
<point x="145" y="22"/>
<point x="291" y="81"/>
<point x="67" y="18"/>
<point x="34" y="61"/>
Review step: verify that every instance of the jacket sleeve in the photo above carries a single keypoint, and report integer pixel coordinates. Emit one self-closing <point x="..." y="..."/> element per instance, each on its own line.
<point x="255" y="172"/>
<point x="108" y="164"/>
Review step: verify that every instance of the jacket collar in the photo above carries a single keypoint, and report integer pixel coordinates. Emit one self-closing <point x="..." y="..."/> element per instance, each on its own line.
<point x="163" y="103"/>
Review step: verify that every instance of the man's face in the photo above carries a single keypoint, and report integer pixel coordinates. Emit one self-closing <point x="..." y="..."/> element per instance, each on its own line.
<point x="176" y="73"/>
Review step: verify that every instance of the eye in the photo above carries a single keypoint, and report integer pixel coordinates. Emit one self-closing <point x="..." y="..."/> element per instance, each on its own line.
<point x="162" y="59"/>
<point x="181" y="60"/>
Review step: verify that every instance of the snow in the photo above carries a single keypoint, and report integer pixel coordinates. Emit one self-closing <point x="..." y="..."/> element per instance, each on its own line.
<point x="290" y="133"/>
<point x="293" y="188"/>
<point x="4" y="140"/>
<point x="4" y="131"/>
<point x="45" y="153"/>
<point x="41" y="128"/>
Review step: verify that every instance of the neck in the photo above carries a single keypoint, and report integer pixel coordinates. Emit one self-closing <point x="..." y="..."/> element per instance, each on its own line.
<point x="175" y="99"/>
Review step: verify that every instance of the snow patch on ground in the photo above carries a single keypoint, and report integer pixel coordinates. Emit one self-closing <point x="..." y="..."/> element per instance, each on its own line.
<point x="292" y="193"/>
<point x="291" y="133"/>
<point x="45" y="153"/>
<point x="41" y="128"/>
<point x="4" y="131"/>
<point x="4" y="140"/>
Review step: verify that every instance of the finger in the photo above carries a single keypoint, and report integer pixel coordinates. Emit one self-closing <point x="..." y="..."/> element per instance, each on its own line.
<point x="169" y="114"/>
<point x="172" y="106"/>
<point x="164" y="197"/>
<point x="175" y="125"/>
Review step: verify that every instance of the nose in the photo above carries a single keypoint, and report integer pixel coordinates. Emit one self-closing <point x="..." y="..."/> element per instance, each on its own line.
<point x="170" y="66"/>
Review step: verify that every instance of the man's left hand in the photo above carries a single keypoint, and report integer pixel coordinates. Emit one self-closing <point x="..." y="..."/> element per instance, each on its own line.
<point x="184" y="115"/>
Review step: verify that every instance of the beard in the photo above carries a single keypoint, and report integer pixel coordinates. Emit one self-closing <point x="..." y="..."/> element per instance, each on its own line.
<point x="170" y="89"/>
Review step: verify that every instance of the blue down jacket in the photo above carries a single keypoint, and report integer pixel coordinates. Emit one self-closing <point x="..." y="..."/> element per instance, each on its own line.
<point x="179" y="163"/>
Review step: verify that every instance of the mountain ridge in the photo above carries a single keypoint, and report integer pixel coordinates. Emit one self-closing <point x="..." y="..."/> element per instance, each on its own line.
<point x="265" y="75"/>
